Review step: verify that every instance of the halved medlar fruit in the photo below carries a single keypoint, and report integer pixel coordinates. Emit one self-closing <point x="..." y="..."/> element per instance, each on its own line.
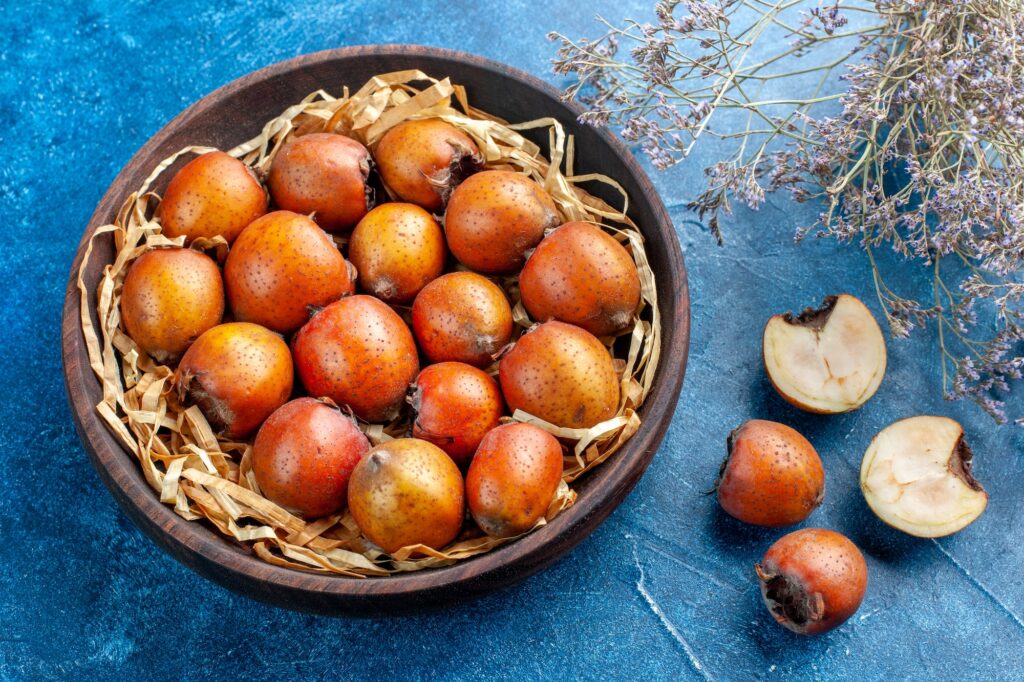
<point x="826" y="360"/>
<point x="916" y="476"/>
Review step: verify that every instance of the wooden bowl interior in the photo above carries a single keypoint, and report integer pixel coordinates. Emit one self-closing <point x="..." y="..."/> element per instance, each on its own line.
<point x="234" y="114"/>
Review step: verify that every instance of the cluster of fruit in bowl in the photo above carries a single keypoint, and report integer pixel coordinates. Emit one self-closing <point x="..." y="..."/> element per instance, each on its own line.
<point x="915" y="474"/>
<point x="356" y="357"/>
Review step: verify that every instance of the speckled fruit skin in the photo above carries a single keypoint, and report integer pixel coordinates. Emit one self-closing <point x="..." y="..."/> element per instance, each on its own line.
<point x="812" y="580"/>
<point x="513" y="478"/>
<point x="238" y="373"/>
<point x="423" y="160"/>
<point x="279" y="266"/>
<point x="456" y="405"/>
<point x="562" y="374"/>
<point x="580" y="274"/>
<point x="357" y="352"/>
<point x="304" y="455"/>
<point x="325" y="174"/>
<point x="397" y="249"/>
<point x="772" y="476"/>
<point x="463" y="317"/>
<point x="214" y="194"/>
<point x="170" y="297"/>
<point x="495" y="217"/>
<point x="406" y="492"/>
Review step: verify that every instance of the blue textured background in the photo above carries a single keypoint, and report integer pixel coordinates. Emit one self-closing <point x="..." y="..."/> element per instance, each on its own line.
<point x="663" y="589"/>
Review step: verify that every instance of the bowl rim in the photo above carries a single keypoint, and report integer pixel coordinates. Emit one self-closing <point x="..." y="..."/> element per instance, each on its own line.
<point x="215" y="556"/>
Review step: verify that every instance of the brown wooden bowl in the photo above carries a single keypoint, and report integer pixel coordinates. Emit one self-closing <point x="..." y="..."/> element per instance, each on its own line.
<point x="233" y="114"/>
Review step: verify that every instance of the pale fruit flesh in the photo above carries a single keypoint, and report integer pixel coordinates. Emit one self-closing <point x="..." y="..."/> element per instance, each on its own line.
<point x="916" y="476"/>
<point x="826" y="360"/>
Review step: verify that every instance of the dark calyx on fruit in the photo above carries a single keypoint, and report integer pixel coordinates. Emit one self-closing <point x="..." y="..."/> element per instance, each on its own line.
<point x="811" y="317"/>
<point x="961" y="462"/>
<point x="788" y="600"/>
<point x="191" y="391"/>
<point x="465" y="162"/>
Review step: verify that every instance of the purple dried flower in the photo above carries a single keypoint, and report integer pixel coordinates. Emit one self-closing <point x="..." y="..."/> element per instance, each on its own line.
<point x="830" y="18"/>
<point x="925" y="155"/>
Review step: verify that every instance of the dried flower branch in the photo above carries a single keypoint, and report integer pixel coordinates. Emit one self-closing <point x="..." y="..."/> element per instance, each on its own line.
<point x="922" y="152"/>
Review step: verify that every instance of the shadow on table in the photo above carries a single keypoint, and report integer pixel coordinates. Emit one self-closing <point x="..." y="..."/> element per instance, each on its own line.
<point x="875" y="538"/>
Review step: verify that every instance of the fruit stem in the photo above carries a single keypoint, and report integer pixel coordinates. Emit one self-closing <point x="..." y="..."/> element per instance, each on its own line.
<point x="729" y="441"/>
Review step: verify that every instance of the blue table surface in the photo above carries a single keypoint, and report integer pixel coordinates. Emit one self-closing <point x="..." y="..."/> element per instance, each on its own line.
<point x="663" y="589"/>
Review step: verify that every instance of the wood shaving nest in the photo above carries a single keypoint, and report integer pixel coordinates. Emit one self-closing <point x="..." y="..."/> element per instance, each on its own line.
<point x="207" y="477"/>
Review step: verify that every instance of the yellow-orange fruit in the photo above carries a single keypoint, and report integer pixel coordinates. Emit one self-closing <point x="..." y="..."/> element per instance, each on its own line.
<point x="513" y="478"/>
<point x="462" y="317"/>
<point x="397" y="249"/>
<point x="325" y="174"/>
<point x="304" y="455"/>
<point x="495" y="217"/>
<point x="407" y="492"/>
<point x="170" y="297"/>
<point x="455" y="405"/>
<point x="357" y="352"/>
<point x="238" y="373"/>
<point x="580" y="274"/>
<point x="812" y="580"/>
<point x="214" y="194"/>
<point x="279" y="266"/>
<point x="772" y="476"/>
<point x="423" y="160"/>
<point x="562" y="374"/>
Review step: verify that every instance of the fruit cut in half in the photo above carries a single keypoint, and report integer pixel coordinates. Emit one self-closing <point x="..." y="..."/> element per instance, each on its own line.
<point x="916" y="476"/>
<point x="826" y="360"/>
